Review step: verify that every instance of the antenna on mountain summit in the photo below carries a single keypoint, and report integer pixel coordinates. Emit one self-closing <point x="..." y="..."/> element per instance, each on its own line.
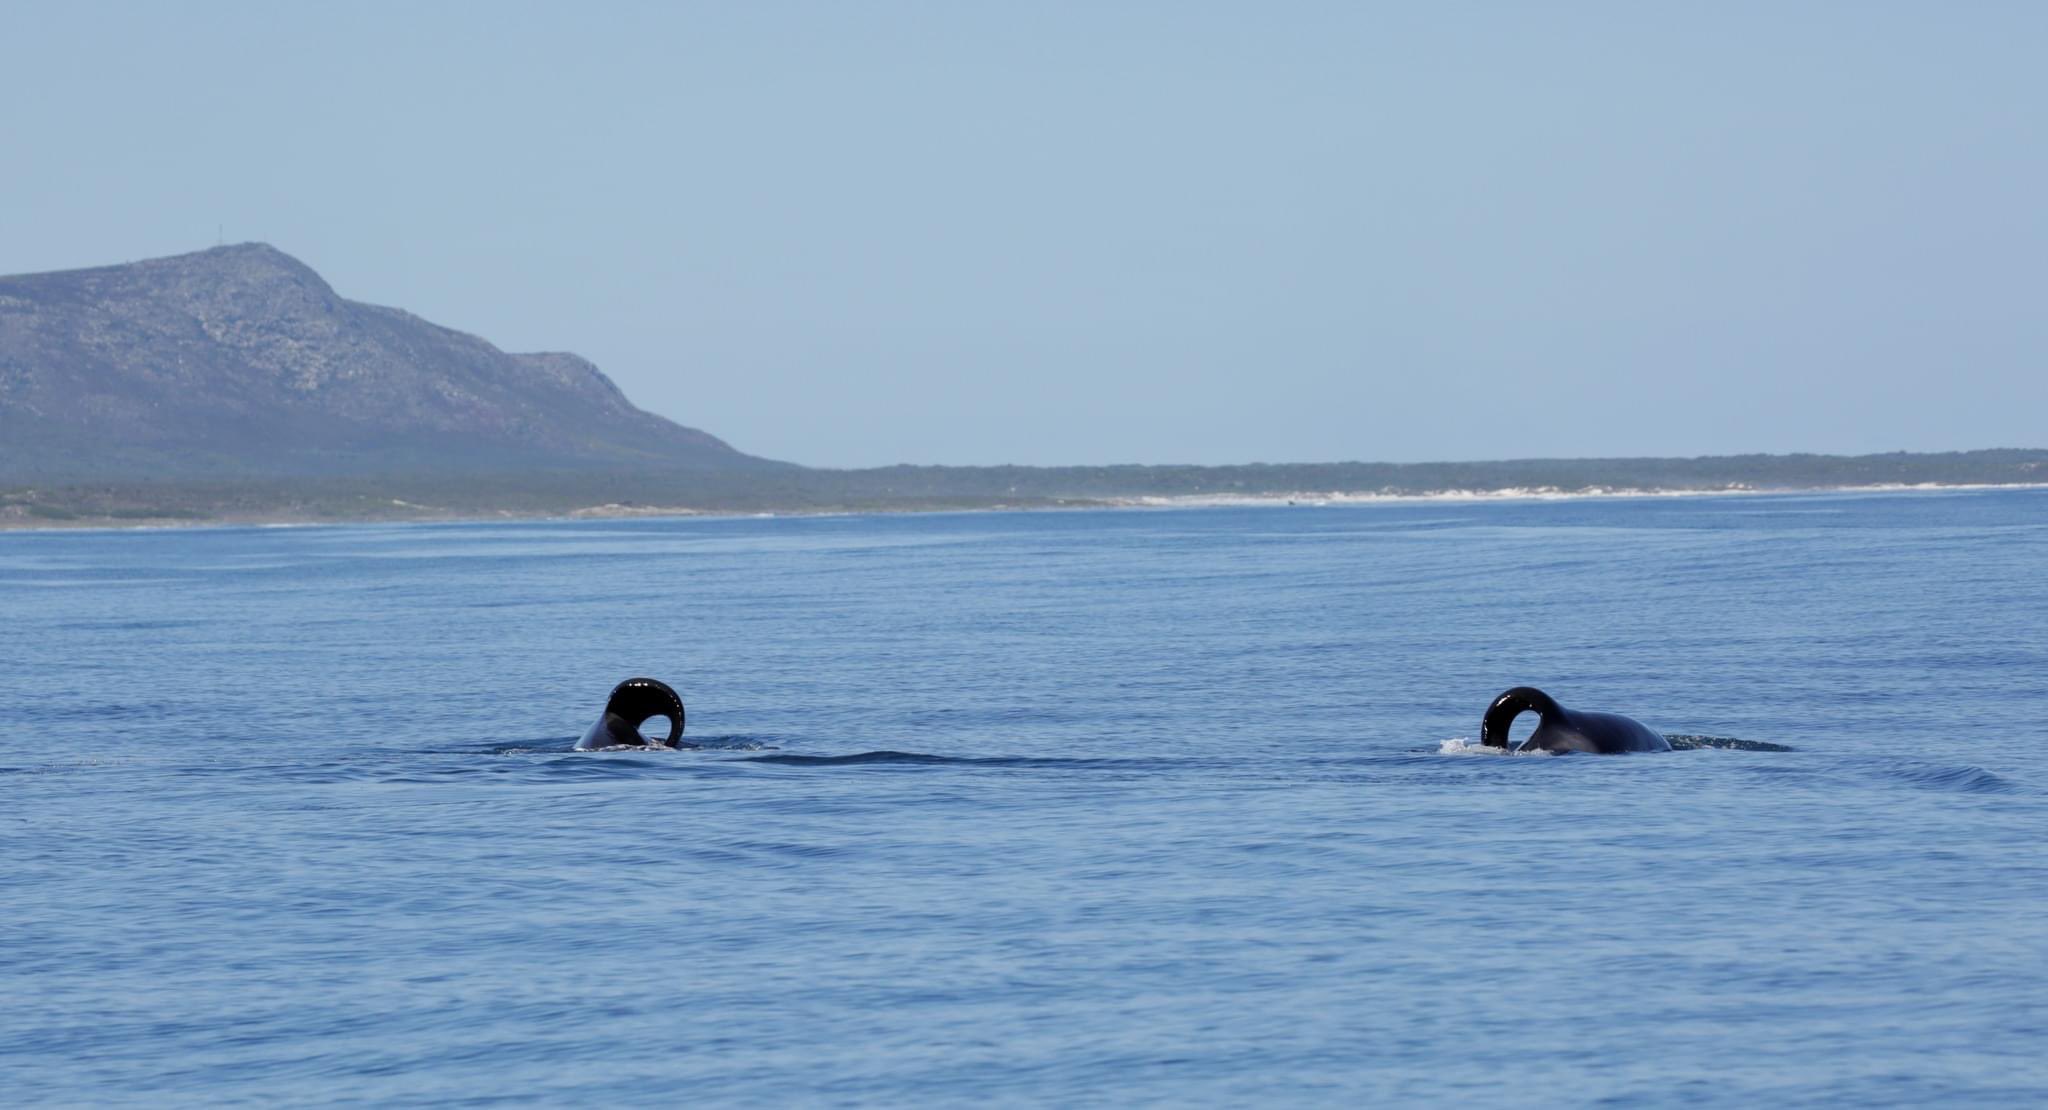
<point x="220" y="235"/>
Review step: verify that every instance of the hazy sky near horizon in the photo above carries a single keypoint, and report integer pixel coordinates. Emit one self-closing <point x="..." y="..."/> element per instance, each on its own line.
<point x="857" y="234"/>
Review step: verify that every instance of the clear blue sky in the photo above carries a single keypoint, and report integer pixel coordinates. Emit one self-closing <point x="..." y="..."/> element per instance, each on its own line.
<point x="863" y="233"/>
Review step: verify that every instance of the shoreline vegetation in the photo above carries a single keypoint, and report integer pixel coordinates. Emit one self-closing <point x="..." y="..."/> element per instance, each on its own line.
<point x="573" y="494"/>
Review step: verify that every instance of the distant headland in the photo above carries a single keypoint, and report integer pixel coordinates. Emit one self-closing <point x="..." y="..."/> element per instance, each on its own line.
<point x="234" y="385"/>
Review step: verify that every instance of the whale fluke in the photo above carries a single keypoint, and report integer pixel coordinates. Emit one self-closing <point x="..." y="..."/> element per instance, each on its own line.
<point x="633" y="701"/>
<point x="1564" y="730"/>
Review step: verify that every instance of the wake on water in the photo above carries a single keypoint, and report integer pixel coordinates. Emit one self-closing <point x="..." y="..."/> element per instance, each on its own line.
<point x="1457" y="746"/>
<point x="1680" y="742"/>
<point x="1461" y="746"/>
<point x="567" y="745"/>
<point x="745" y="749"/>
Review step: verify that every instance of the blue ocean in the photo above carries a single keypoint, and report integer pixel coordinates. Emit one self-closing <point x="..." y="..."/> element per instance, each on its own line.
<point x="1093" y="808"/>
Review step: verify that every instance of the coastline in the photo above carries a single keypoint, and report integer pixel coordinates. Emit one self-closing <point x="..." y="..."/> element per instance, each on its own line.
<point x="428" y="514"/>
<point x="1546" y="493"/>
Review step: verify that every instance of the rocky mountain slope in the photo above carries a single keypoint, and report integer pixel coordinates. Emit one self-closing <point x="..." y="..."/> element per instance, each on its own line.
<point x="240" y="361"/>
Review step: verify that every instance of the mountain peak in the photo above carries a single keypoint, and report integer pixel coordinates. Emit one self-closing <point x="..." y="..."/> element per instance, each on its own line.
<point x="253" y="248"/>
<point x="251" y="257"/>
<point x="247" y="260"/>
<point x="243" y="282"/>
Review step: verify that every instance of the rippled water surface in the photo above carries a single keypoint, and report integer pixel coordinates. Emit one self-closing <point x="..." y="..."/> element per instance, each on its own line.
<point x="1060" y="808"/>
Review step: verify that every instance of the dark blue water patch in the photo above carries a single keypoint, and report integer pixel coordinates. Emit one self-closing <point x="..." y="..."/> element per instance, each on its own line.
<point x="313" y="771"/>
<point x="1948" y="778"/>
<point x="614" y="765"/>
<point x="1686" y="742"/>
<point x="823" y="851"/>
<point x="131" y="625"/>
<point x="923" y="759"/>
<point x="77" y="707"/>
<point x="1035" y="713"/>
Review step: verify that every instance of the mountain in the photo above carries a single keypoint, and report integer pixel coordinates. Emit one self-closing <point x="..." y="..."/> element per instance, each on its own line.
<point x="234" y="384"/>
<point x="240" y="361"/>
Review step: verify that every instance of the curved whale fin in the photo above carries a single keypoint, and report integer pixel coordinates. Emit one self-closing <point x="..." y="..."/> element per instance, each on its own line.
<point x="1562" y="730"/>
<point x="1493" y="728"/>
<point x="633" y="701"/>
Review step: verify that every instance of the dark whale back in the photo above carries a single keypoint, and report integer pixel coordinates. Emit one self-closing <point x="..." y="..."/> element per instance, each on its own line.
<point x="1565" y="730"/>
<point x="633" y="701"/>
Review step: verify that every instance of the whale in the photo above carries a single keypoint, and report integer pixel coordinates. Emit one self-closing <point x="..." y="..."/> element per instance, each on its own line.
<point x="633" y="701"/>
<point x="1565" y="730"/>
